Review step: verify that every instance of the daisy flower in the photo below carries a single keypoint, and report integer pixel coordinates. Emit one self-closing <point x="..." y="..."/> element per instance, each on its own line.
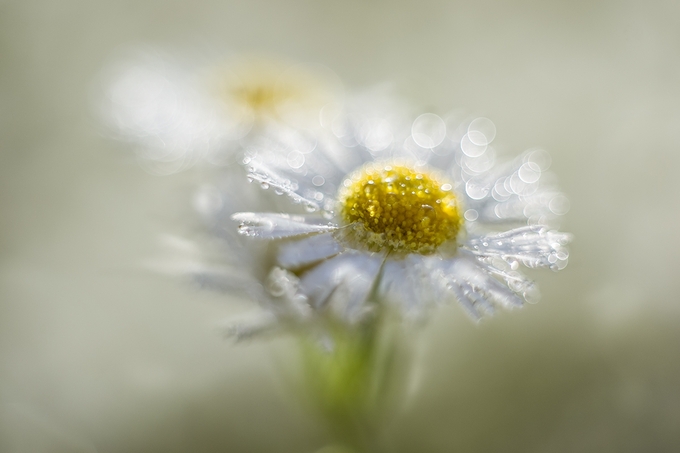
<point x="268" y="90"/>
<point x="426" y="219"/>
<point x="178" y="114"/>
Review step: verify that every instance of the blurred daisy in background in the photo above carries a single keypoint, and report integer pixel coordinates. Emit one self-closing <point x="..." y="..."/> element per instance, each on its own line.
<point x="412" y="223"/>
<point x="266" y="90"/>
<point x="177" y="114"/>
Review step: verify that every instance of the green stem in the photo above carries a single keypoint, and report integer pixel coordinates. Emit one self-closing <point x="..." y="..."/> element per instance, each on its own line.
<point x="351" y="379"/>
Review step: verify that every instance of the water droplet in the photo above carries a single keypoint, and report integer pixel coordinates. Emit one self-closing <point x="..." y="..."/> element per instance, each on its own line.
<point x="471" y="215"/>
<point x="529" y="172"/>
<point x="541" y="158"/>
<point x="482" y="131"/>
<point x="559" y="205"/>
<point x="428" y="130"/>
<point x="476" y="190"/>
<point x="470" y="148"/>
<point x="295" y="159"/>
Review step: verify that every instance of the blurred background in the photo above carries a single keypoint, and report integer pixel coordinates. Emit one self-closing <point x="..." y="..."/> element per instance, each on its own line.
<point x="99" y="354"/>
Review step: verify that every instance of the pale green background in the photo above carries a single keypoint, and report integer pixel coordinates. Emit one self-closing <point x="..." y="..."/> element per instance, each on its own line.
<point x="97" y="354"/>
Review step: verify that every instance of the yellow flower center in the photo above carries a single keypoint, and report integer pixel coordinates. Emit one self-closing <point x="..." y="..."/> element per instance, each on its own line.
<point x="399" y="208"/>
<point x="272" y="90"/>
<point x="262" y="98"/>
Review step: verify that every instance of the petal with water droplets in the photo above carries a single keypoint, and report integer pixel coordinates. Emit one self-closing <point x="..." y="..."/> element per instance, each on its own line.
<point x="277" y="226"/>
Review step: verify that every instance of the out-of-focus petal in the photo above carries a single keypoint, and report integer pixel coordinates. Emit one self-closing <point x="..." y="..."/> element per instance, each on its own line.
<point x="343" y="284"/>
<point x="302" y="253"/>
<point x="404" y="283"/>
<point x="517" y="192"/>
<point x="158" y="107"/>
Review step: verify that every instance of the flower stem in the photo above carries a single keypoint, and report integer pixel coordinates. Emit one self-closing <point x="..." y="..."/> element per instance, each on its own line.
<point x="350" y="379"/>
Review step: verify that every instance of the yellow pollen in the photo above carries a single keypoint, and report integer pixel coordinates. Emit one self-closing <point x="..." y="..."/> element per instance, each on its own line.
<point x="399" y="208"/>
<point x="262" y="97"/>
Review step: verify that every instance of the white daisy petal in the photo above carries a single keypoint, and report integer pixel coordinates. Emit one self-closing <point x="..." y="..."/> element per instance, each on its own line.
<point x="476" y="289"/>
<point x="255" y="326"/>
<point x="343" y="284"/>
<point x="292" y="304"/>
<point x="515" y="280"/>
<point x="277" y="226"/>
<point x="533" y="246"/>
<point x="516" y="192"/>
<point x="267" y="178"/>
<point x="404" y="283"/>
<point x="472" y="302"/>
<point x="229" y="281"/>
<point x="298" y="254"/>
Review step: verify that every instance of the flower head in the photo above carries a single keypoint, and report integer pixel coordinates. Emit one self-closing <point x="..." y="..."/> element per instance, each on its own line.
<point x="429" y="218"/>
<point x="179" y="114"/>
<point x="266" y="90"/>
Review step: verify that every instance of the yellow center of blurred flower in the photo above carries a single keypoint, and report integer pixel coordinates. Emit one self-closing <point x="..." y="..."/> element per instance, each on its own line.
<point x="399" y="208"/>
<point x="262" y="97"/>
<point x="265" y="89"/>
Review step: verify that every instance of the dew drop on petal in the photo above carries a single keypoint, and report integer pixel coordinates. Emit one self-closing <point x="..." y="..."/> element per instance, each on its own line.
<point x="295" y="159"/>
<point x="540" y="157"/>
<point x="471" y="215"/>
<point x="470" y="148"/>
<point x="529" y="172"/>
<point x="559" y="205"/>
<point x="475" y="190"/>
<point x="428" y="130"/>
<point x="482" y="131"/>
